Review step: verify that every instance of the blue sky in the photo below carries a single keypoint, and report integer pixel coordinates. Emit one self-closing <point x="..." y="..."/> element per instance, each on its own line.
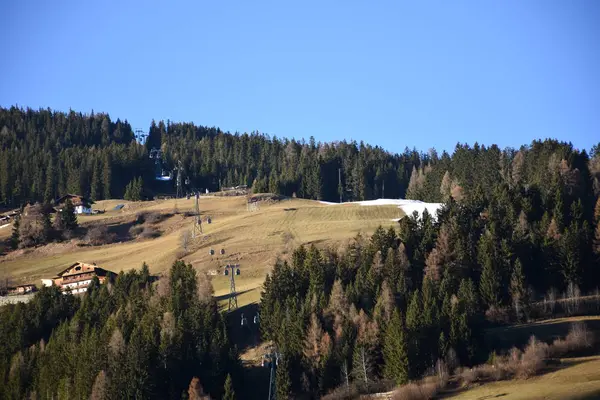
<point x="398" y="73"/>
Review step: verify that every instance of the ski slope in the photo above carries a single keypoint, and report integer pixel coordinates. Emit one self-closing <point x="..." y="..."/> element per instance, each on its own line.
<point x="407" y="206"/>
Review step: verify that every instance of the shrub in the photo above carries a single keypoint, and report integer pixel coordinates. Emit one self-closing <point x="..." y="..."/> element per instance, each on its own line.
<point x="579" y="338"/>
<point x="135" y="231"/>
<point x="533" y="358"/>
<point x="343" y="393"/>
<point x="498" y="315"/>
<point x="513" y="360"/>
<point x="140" y="217"/>
<point x="424" y="390"/>
<point x="150" y="232"/>
<point x="99" y="235"/>
<point x="467" y="376"/>
<point x="155" y="217"/>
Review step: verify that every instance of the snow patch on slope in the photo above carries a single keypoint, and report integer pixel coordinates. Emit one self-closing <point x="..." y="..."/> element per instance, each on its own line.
<point x="408" y="206"/>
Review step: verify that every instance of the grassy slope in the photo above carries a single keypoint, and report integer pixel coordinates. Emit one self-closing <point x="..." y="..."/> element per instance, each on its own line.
<point x="576" y="378"/>
<point x="580" y="379"/>
<point x="252" y="239"/>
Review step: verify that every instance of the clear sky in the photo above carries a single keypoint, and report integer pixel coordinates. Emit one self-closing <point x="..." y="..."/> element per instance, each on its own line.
<point x="396" y="74"/>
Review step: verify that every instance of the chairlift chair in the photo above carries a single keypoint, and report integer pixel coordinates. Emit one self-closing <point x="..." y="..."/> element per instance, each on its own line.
<point x="222" y="251"/>
<point x="237" y="271"/>
<point x="211" y="252"/>
<point x="226" y="272"/>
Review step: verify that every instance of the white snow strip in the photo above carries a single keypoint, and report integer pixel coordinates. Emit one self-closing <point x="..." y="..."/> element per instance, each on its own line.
<point x="432" y="209"/>
<point x="408" y="206"/>
<point x="4" y="226"/>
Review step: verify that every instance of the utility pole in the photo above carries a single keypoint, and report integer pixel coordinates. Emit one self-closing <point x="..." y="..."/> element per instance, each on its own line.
<point x="340" y="183"/>
<point x="197" y="229"/>
<point x="383" y="190"/>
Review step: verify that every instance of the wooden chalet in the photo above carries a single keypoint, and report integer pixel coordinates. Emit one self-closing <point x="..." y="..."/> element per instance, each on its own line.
<point x="78" y="277"/>
<point x="82" y="204"/>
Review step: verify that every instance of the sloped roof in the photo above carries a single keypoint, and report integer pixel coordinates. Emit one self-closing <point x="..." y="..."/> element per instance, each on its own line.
<point x="81" y="199"/>
<point x="99" y="271"/>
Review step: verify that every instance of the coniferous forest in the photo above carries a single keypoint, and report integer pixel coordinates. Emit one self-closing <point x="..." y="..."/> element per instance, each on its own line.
<point x="44" y="154"/>
<point x="134" y="338"/>
<point x="517" y="226"/>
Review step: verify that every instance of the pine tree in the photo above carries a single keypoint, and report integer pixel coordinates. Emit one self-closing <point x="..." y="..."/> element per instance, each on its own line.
<point x="15" y="237"/>
<point x="68" y="216"/>
<point x="96" y="184"/>
<point x="46" y="225"/>
<point x="229" y="392"/>
<point x="107" y="177"/>
<point x="490" y="282"/>
<point x="50" y="191"/>
<point x="517" y="287"/>
<point x="442" y="345"/>
<point x="395" y="351"/>
<point x="413" y="313"/>
<point x="283" y="384"/>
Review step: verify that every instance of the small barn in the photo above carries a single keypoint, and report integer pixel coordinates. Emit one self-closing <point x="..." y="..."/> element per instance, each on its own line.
<point x="21" y="289"/>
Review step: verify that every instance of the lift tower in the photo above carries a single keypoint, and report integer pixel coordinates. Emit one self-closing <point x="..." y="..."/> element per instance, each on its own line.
<point x="197" y="229"/>
<point x="233" y="270"/>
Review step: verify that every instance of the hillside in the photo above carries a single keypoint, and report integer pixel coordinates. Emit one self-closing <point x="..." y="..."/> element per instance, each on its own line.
<point x="252" y="239"/>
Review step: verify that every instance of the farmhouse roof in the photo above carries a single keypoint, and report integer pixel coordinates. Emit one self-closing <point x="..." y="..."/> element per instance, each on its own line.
<point x="75" y="199"/>
<point x="99" y="271"/>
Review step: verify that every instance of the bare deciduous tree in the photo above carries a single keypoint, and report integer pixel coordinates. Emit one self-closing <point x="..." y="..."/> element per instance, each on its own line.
<point x="446" y="187"/>
<point x="196" y="391"/>
<point x="185" y="240"/>
<point x="116" y="345"/>
<point x="205" y="288"/>
<point x="100" y="387"/>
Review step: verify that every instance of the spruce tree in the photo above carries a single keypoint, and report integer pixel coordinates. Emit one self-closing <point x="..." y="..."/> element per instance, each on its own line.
<point x="395" y="352"/>
<point x="46" y="233"/>
<point x="283" y="384"/>
<point x="490" y="282"/>
<point x="15" y="237"/>
<point x="96" y="184"/>
<point x="229" y="393"/>
<point x="107" y="177"/>
<point x="517" y="288"/>
<point x="68" y="216"/>
<point x="50" y="190"/>
<point x="413" y="313"/>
